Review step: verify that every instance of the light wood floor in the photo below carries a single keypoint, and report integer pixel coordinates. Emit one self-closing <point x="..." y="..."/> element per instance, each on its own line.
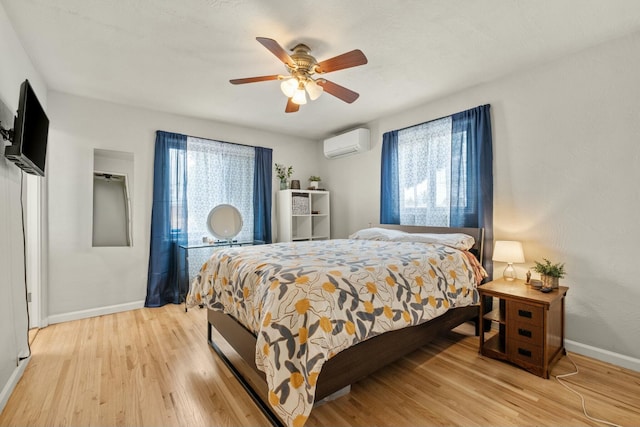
<point x="153" y="367"/>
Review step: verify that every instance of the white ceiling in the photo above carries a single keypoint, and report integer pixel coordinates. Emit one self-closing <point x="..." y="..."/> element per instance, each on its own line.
<point x="178" y="55"/>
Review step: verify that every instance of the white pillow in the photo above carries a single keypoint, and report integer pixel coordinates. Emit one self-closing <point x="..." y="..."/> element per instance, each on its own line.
<point x="460" y="241"/>
<point x="376" y="233"/>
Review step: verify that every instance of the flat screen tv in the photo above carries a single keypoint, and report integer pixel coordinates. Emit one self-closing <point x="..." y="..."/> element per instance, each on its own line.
<point x="30" y="131"/>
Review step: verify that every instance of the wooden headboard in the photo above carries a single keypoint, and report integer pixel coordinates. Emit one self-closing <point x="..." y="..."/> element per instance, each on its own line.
<point x="476" y="233"/>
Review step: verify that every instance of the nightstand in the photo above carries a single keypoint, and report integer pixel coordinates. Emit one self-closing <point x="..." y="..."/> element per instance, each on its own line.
<point x="530" y="325"/>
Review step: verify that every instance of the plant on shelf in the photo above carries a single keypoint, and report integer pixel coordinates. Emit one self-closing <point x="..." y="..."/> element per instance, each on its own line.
<point x="283" y="173"/>
<point x="313" y="181"/>
<point x="549" y="273"/>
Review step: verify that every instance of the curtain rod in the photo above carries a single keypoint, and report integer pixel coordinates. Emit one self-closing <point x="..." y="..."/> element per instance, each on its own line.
<point x="217" y="140"/>
<point x="439" y="118"/>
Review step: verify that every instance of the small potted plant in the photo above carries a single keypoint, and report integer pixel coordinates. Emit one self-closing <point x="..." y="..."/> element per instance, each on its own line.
<point x="549" y="273"/>
<point x="283" y="173"/>
<point x="313" y="181"/>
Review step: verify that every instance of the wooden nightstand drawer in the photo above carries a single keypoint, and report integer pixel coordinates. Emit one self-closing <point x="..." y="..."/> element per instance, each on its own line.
<point x="526" y="333"/>
<point x="520" y="313"/>
<point x="520" y="351"/>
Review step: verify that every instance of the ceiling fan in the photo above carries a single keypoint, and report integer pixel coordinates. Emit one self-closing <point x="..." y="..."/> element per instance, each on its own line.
<point x="301" y="67"/>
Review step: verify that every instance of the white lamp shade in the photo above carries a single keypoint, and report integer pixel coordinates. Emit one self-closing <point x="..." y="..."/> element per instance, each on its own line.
<point x="509" y="251"/>
<point x="299" y="97"/>
<point x="289" y="87"/>
<point x="313" y="89"/>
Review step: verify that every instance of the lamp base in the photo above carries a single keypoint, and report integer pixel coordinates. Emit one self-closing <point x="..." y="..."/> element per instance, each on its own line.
<point x="509" y="273"/>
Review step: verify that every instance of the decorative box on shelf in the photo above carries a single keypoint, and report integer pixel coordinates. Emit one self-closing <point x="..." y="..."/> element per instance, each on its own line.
<point x="300" y="204"/>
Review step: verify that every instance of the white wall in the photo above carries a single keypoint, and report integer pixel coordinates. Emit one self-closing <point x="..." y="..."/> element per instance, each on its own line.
<point x="566" y="171"/>
<point x="16" y="67"/>
<point x="86" y="280"/>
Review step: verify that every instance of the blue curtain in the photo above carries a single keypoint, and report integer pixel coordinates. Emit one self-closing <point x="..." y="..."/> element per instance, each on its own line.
<point x="167" y="232"/>
<point x="474" y="125"/>
<point x="262" y="195"/>
<point x="389" y="186"/>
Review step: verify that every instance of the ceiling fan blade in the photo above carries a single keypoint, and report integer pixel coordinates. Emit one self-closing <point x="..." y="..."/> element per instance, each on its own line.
<point x="338" y="91"/>
<point x="254" y="79"/>
<point x="292" y="107"/>
<point x="277" y="50"/>
<point x="340" y="62"/>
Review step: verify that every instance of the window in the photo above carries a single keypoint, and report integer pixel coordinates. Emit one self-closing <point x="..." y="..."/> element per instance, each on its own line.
<point x="190" y="177"/>
<point x="425" y="173"/>
<point x="440" y="173"/>
<point x="217" y="173"/>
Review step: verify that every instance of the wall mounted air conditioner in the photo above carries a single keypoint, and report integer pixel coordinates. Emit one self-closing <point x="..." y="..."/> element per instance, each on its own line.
<point x="355" y="141"/>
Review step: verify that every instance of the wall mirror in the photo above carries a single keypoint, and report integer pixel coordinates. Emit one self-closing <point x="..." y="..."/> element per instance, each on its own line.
<point x="112" y="198"/>
<point x="224" y="222"/>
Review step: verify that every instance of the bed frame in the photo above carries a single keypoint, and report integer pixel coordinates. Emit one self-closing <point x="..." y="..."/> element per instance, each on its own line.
<point x="350" y="365"/>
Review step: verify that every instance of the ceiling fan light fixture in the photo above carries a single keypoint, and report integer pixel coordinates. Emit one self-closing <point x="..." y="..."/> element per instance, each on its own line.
<point x="289" y="87"/>
<point x="313" y="89"/>
<point x="301" y="66"/>
<point x="300" y="96"/>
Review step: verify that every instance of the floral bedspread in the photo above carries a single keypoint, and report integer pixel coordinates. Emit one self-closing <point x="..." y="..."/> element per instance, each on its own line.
<point x="307" y="301"/>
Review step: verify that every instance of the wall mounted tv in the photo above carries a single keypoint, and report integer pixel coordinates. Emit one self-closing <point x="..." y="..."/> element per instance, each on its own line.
<point x="30" y="131"/>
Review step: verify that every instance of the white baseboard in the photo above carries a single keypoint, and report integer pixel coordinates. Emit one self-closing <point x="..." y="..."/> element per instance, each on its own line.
<point x="603" y="355"/>
<point x="13" y="381"/>
<point x="93" y="312"/>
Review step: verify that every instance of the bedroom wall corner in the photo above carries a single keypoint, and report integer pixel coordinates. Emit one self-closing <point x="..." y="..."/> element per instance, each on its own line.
<point x="355" y="184"/>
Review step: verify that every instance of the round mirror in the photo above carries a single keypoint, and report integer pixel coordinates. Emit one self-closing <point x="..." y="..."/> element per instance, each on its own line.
<point x="224" y="222"/>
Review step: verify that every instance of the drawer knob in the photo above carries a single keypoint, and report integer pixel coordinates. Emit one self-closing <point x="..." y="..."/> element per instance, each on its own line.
<point x="525" y="313"/>
<point x="524" y="352"/>
<point x="524" y="332"/>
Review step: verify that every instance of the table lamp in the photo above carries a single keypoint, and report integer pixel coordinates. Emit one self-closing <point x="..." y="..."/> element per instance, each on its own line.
<point x="508" y="251"/>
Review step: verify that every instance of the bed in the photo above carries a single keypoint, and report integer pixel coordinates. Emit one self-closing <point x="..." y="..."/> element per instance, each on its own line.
<point x="305" y="320"/>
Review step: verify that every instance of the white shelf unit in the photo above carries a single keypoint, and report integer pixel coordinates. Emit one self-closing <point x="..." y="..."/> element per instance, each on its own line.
<point x="303" y="215"/>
